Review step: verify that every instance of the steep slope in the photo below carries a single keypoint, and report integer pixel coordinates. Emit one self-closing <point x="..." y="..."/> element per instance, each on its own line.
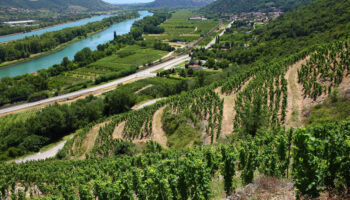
<point x="237" y="6"/>
<point x="178" y="3"/>
<point x="58" y="5"/>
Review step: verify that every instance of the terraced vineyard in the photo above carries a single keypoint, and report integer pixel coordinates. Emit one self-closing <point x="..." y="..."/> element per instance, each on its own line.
<point x="245" y="131"/>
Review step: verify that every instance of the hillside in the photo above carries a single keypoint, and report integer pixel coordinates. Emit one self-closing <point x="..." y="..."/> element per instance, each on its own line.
<point x="58" y="5"/>
<point x="266" y="117"/>
<point x="178" y="3"/>
<point x="237" y="6"/>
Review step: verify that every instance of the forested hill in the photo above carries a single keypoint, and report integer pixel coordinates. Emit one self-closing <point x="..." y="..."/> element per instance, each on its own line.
<point x="178" y="3"/>
<point x="58" y="5"/>
<point x="237" y="6"/>
<point x="315" y="23"/>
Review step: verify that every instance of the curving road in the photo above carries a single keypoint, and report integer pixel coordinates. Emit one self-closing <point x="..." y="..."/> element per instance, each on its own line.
<point x="148" y="103"/>
<point x="144" y="73"/>
<point x="43" y="155"/>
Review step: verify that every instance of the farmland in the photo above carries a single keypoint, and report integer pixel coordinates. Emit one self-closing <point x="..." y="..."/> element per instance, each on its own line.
<point x="179" y="29"/>
<point x="122" y="62"/>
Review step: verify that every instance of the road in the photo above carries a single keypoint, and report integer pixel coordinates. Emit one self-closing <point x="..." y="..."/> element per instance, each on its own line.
<point x="148" y="103"/>
<point x="221" y="34"/>
<point x="144" y="73"/>
<point x="43" y="155"/>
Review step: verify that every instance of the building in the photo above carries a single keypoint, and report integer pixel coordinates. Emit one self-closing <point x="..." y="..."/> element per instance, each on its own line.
<point x="19" y="23"/>
<point x="197" y="18"/>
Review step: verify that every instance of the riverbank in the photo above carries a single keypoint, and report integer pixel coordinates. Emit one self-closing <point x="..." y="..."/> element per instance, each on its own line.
<point x="60" y="46"/>
<point x="93" y="17"/>
<point x="46" y="53"/>
<point x="46" y="27"/>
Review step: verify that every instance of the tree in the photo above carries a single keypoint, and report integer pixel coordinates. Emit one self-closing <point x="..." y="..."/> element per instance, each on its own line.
<point x="190" y="72"/>
<point x="183" y="73"/>
<point x="210" y="63"/>
<point x="119" y="101"/>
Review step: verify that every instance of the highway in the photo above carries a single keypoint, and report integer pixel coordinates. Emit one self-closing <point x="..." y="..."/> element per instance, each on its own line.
<point x="141" y="74"/>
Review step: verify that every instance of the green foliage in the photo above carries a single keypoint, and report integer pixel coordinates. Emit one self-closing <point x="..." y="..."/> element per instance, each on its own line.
<point x="325" y="69"/>
<point x="329" y="111"/>
<point x="229" y="158"/>
<point x="320" y="159"/>
<point x="178" y="3"/>
<point x="57" y="5"/>
<point x="88" y="68"/>
<point x="119" y="101"/>
<point x="238" y="6"/>
<point x="23" y="48"/>
<point x="49" y="125"/>
<point x="179" y="29"/>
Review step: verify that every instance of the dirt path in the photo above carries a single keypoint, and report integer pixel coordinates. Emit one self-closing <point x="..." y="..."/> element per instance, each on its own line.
<point x="90" y="138"/>
<point x="147" y="86"/>
<point x="118" y="131"/>
<point x="229" y="111"/>
<point x="158" y="133"/>
<point x="295" y="96"/>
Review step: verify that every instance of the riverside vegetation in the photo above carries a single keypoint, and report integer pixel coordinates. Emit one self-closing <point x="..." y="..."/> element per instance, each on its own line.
<point x="51" y="81"/>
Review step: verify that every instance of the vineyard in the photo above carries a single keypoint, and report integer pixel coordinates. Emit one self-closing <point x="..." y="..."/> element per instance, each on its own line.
<point x="325" y="69"/>
<point x="315" y="158"/>
<point x="274" y="114"/>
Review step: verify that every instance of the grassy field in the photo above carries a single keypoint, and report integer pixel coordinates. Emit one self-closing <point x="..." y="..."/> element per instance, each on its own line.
<point x="121" y="61"/>
<point x="179" y="28"/>
<point x="12" y="119"/>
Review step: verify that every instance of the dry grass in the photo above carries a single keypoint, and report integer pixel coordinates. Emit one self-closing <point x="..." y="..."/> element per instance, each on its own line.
<point x="265" y="187"/>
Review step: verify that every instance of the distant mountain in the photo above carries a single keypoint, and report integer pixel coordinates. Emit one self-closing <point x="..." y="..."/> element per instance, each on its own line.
<point x="178" y="3"/>
<point x="236" y="6"/>
<point x="58" y="5"/>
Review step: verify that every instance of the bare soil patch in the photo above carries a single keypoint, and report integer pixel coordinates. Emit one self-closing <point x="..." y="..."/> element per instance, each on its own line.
<point x="229" y="111"/>
<point x="299" y="105"/>
<point x="147" y="86"/>
<point x="118" y="131"/>
<point x="295" y="95"/>
<point x="266" y="187"/>
<point x="158" y="134"/>
<point x="90" y="138"/>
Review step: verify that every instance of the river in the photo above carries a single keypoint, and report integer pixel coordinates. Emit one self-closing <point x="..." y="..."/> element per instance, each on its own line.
<point x="53" y="28"/>
<point x="55" y="58"/>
